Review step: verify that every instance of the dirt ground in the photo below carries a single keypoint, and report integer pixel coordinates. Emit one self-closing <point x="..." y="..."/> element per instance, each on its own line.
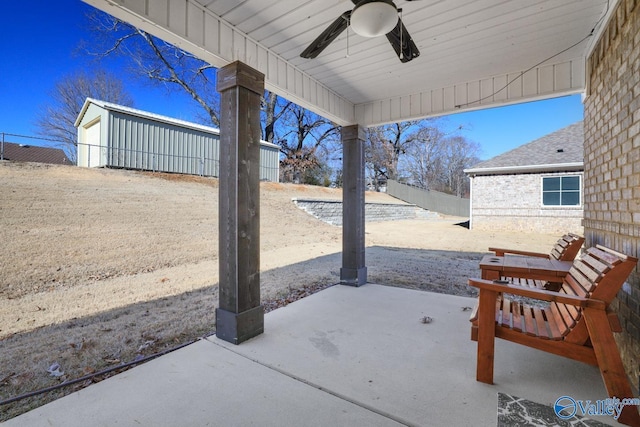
<point x="101" y="267"/>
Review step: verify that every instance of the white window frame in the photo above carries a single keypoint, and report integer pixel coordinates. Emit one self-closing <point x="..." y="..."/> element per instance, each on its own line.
<point x="580" y="191"/>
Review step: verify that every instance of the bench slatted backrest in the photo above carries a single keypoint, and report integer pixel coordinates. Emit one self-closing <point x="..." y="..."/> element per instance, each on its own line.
<point x="584" y="277"/>
<point x="567" y="247"/>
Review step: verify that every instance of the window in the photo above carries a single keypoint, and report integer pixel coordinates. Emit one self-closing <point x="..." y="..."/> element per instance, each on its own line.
<point x="561" y="191"/>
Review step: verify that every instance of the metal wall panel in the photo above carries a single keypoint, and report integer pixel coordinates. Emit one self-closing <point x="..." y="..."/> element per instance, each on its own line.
<point x="269" y="163"/>
<point x="140" y="143"/>
<point x="134" y="139"/>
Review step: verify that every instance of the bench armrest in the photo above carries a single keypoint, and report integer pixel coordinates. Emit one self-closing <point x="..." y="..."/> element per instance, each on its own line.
<point x="539" y="294"/>
<point x="501" y="252"/>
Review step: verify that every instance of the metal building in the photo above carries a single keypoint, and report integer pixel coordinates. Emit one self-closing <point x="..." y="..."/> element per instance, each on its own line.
<point x="111" y="135"/>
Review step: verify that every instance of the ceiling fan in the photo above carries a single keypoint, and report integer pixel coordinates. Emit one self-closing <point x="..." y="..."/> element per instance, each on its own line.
<point x="369" y="18"/>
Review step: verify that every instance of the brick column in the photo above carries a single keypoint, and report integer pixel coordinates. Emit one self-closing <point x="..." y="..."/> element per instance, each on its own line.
<point x="240" y="315"/>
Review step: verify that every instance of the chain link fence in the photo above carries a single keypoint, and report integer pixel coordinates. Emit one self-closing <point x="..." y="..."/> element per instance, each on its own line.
<point x="186" y="162"/>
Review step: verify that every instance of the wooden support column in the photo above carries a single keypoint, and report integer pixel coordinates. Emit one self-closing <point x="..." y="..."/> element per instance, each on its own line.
<point x="353" y="271"/>
<point x="240" y="315"/>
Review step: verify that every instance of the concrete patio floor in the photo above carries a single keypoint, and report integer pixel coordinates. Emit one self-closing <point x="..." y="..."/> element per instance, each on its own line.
<point x="344" y="356"/>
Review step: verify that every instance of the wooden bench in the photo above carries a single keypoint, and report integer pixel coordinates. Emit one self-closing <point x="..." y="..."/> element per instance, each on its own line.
<point x="576" y="323"/>
<point x="565" y="249"/>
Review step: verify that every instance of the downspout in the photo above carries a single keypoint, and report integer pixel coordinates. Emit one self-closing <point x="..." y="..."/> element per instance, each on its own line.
<point x="471" y="202"/>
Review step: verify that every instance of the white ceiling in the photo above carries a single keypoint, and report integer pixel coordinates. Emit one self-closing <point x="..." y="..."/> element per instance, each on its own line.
<point x="470" y="50"/>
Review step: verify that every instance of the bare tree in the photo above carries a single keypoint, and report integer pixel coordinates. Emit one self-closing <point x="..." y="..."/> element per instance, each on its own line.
<point x="437" y="161"/>
<point x="386" y="144"/>
<point x="424" y="161"/>
<point x="301" y="135"/>
<point x="159" y="62"/>
<point x="421" y="153"/>
<point x="56" y="119"/>
<point x="273" y="108"/>
<point x="459" y="154"/>
<point x="307" y="137"/>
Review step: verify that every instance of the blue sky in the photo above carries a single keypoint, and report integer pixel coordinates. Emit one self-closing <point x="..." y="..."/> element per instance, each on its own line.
<point x="40" y="44"/>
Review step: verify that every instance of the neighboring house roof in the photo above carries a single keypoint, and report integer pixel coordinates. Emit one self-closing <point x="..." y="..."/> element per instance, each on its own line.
<point x="562" y="150"/>
<point x="31" y="153"/>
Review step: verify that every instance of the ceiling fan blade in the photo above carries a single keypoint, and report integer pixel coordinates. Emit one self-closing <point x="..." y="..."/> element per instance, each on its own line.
<point x="408" y="50"/>
<point x="327" y="36"/>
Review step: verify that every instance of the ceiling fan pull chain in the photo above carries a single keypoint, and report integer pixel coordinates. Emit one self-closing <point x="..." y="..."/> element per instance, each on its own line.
<point x="401" y="28"/>
<point x="348" y="25"/>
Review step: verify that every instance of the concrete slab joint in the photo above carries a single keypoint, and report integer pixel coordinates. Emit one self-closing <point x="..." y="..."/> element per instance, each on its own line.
<point x="240" y="315"/>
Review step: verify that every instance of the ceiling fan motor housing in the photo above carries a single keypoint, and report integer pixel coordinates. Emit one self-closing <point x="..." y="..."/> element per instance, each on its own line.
<point x="374" y="18"/>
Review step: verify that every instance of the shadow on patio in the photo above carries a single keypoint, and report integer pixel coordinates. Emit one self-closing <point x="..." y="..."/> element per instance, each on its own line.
<point x="344" y="356"/>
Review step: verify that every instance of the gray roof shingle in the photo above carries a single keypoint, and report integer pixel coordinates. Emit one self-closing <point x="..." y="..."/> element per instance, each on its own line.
<point x="565" y="146"/>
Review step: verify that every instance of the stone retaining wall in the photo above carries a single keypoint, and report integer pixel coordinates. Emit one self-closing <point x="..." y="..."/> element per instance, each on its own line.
<point x="330" y="211"/>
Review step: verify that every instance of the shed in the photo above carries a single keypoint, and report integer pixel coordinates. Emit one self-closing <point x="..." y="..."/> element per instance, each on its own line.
<point x="111" y="135"/>
<point x="537" y="187"/>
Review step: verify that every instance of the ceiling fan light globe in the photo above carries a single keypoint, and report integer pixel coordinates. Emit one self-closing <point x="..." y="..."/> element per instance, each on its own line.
<point x="374" y="19"/>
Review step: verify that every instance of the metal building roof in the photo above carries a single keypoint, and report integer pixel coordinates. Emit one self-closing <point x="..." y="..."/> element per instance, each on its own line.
<point x="144" y="114"/>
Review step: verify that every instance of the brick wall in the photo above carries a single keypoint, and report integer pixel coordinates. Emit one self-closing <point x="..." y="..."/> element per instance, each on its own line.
<point x="612" y="161"/>
<point x="514" y="202"/>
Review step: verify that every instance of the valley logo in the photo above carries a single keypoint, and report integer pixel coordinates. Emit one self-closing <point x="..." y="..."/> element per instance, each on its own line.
<point x="567" y="407"/>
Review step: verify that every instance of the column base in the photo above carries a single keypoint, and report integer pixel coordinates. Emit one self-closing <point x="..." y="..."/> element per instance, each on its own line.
<point x="239" y="327"/>
<point x="353" y="277"/>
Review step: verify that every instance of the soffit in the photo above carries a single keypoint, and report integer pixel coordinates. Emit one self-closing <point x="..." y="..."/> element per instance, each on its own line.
<point x="470" y="50"/>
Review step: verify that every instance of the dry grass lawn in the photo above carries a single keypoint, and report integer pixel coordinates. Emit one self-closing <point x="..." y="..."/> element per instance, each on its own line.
<point x="100" y="267"/>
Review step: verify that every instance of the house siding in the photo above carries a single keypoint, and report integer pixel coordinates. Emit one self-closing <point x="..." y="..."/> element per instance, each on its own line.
<point x="514" y="203"/>
<point x="612" y="161"/>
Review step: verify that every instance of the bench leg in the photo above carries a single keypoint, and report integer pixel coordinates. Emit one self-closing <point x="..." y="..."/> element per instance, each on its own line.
<point x="486" y="335"/>
<point x="610" y="363"/>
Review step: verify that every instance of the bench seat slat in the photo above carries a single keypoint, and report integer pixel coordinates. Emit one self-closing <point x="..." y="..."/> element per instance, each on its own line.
<point x="594" y="261"/>
<point x="556" y="253"/>
<point x="585" y="268"/>
<point x="554" y="325"/>
<point x="575" y="283"/>
<point x="506" y="313"/>
<point x="516" y="311"/>
<point x="528" y="321"/>
<point x="561" y="314"/>
<point x="541" y="326"/>
<point x="607" y="255"/>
